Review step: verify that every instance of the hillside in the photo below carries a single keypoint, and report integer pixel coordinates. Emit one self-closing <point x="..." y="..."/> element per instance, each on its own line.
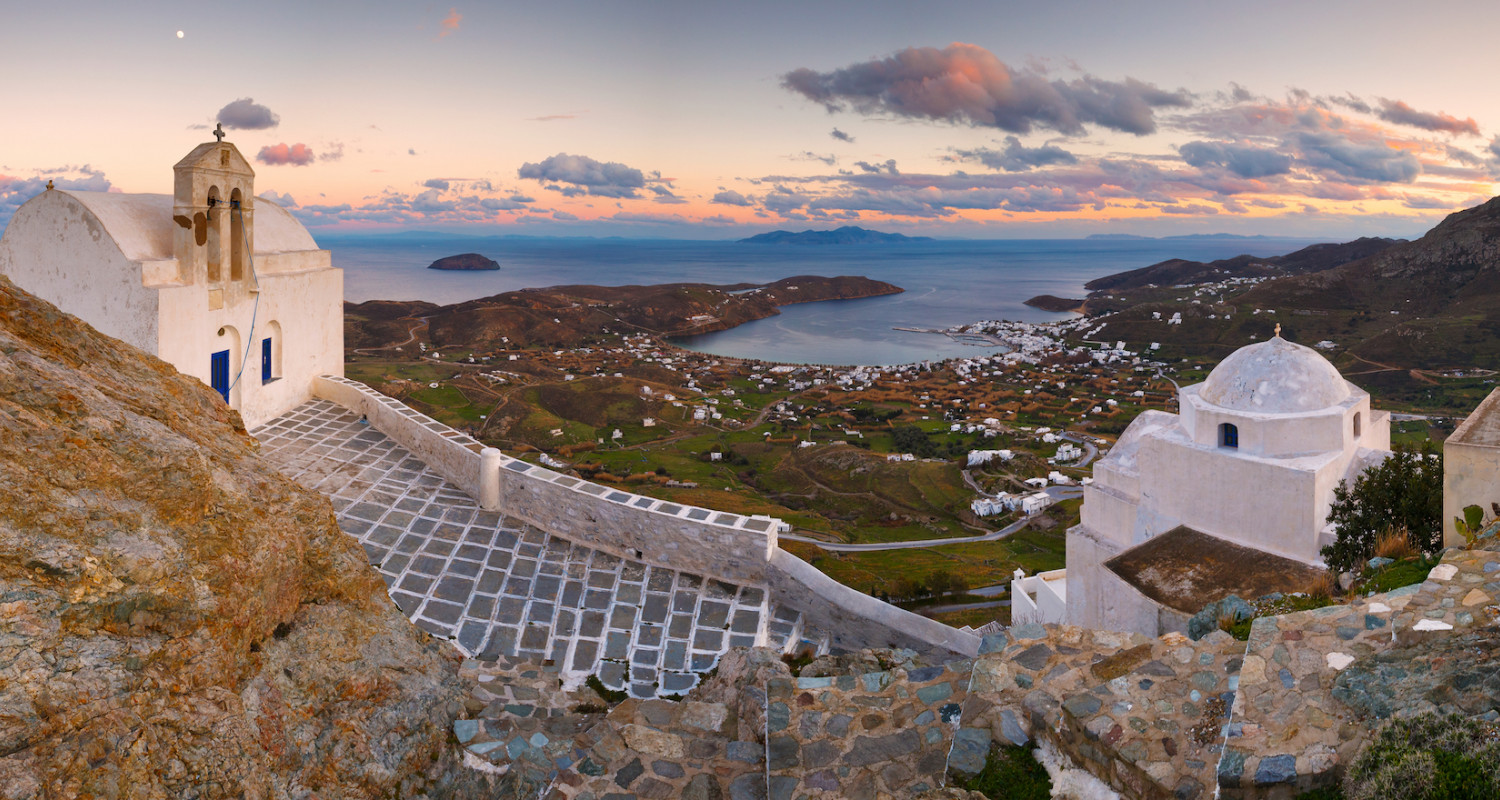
<point x="565" y="316"/>
<point x="849" y="234"/>
<point x="1392" y="319"/>
<point x="1180" y="272"/>
<point x="176" y="618"/>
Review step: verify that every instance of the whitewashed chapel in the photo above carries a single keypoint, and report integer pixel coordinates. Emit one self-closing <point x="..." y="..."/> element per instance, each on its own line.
<point x="225" y="286"/>
<point x="1231" y="495"/>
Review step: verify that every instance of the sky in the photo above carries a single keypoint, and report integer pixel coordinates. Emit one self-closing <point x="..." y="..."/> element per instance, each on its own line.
<point x="722" y="119"/>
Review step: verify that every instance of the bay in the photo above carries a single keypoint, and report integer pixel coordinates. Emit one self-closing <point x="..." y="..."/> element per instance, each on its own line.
<point x="947" y="282"/>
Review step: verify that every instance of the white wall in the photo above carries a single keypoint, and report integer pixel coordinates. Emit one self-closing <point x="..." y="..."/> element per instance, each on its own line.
<point x="1040" y="598"/>
<point x="1471" y="466"/>
<point x="1097" y="597"/>
<point x="58" y="250"/>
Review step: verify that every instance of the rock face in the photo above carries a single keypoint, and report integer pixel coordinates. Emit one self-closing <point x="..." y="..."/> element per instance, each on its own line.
<point x="464" y="261"/>
<point x="177" y="619"/>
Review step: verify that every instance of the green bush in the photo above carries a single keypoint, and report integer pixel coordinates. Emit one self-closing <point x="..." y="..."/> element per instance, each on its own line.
<point x="914" y="440"/>
<point x="1405" y="490"/>
<point x="1010" y="773"/>
<point x="1429" y="757"/>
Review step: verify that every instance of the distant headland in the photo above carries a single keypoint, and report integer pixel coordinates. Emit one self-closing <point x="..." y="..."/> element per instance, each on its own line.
<point x="465" y="261"/>
<point x="849" y="234"/>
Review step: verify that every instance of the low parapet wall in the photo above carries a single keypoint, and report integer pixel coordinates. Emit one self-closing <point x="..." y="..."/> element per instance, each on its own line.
<point x="452" y="454"/>
<point x="683" y="537"/>
<point x="729" y="546"/>
<point x="853" y="619"/>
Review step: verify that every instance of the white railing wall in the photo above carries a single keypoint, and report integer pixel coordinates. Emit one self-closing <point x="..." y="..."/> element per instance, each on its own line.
<point x="1038" y="599"/>
<point x="730" y="546"/>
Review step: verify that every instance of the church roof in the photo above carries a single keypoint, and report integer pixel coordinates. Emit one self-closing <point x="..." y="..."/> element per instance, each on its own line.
<point x="1186" y="570"/>
<point x="141" y="224"/>
<point x="1275" y="377"/>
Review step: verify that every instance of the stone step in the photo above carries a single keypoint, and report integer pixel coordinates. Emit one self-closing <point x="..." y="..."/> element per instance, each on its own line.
<point x="528" y="719"/>
<point x="869" y="734"/>
<point x="659" y="749"/>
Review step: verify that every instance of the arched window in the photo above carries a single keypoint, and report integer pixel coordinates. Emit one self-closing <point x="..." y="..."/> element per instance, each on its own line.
<point x="1229" y="435"/>
<point x="215" y="209"/>
<point x="236" y="236"/>
<point x="1356" y="424"/>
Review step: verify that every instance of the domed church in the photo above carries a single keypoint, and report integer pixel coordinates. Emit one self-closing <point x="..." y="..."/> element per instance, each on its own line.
<point x="226" y="286"/>
<point x="1229" y="496"/>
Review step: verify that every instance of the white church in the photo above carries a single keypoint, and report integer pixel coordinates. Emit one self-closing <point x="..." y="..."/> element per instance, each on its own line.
<point x="1229" y="496"/>
<point x="225" y="286"/>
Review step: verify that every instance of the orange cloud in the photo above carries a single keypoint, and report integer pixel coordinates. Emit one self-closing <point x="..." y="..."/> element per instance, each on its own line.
<point x="450" y="23"/>
<point x="297" y="155"/>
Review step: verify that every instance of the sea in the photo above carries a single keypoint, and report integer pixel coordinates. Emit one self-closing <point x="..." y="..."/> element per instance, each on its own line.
<point x="947" y="282"/>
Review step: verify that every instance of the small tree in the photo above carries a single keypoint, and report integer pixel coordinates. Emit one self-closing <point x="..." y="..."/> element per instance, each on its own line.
<point x="911" y="439"/>
<point x="1405" y="490"/>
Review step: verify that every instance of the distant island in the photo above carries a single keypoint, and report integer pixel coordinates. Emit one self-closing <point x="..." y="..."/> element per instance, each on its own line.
<point x="849" y="234"/>
<point x="464" y="261"/>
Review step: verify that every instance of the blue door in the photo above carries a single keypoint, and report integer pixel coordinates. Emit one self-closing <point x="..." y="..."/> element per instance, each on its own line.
<point x="218" y="373"/>
<point x="265" y="359"/>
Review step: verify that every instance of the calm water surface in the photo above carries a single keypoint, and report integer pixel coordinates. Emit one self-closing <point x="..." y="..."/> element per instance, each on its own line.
<point x="946" y="282"/>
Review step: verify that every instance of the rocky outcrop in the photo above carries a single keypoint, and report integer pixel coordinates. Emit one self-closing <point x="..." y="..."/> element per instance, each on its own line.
<point x="176" y="618"/>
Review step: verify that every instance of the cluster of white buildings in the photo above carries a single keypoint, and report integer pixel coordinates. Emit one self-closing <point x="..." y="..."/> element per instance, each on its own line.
<point x="1005" y="502"/>
<point x="978" y="458"/>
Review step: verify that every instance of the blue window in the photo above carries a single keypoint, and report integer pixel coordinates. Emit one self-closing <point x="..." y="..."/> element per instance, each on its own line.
<point x="265" y="359"/>
<point x="218" y="373"/>
<point x="1229" y="435"/>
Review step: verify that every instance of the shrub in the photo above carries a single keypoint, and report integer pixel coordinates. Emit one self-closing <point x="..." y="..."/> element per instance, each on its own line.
<point x="1428" y="757"/>
<point x="1394" y="543"/>
<point x="1405" y="490"/>
<point x="1321" y="587"/>
<point x="1012" y="773"/>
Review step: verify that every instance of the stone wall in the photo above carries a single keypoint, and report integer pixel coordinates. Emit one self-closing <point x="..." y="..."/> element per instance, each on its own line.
<point x="734" y="547"/>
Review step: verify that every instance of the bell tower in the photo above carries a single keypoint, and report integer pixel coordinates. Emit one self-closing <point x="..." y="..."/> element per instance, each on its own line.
<point x="212" y="208"/>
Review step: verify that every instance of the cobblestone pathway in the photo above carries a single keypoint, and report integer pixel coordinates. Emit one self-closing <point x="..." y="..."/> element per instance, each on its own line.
<point x="499" y="587"/>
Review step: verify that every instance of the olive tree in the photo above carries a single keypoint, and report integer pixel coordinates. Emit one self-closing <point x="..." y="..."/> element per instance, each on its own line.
<point x="1405" y="490"/>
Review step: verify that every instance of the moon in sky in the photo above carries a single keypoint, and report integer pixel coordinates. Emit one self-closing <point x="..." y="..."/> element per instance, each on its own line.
<point x="179" y="34"/>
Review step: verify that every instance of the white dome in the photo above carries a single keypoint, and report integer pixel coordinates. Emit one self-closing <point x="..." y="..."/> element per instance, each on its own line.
<point x="1275" y="377"/>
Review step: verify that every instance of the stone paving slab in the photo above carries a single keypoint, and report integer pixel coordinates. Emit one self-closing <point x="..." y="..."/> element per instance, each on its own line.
<point x="499" y="588"/>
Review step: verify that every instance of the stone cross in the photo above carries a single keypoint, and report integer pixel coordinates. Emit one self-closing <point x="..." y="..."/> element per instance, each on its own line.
<point x="219" y="132"/>
<point x="1278" y="329"/>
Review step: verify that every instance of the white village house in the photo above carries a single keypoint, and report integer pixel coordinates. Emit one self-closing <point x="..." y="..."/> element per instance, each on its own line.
<point x="225" y="286"/>
<point x="1229" y="496"/>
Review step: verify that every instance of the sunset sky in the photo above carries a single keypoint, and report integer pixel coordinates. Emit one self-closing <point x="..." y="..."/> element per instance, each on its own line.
<point x="713" y="120"/>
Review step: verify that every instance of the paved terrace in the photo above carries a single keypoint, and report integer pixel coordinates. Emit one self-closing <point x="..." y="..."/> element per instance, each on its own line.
<point x="499" y="587"/>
